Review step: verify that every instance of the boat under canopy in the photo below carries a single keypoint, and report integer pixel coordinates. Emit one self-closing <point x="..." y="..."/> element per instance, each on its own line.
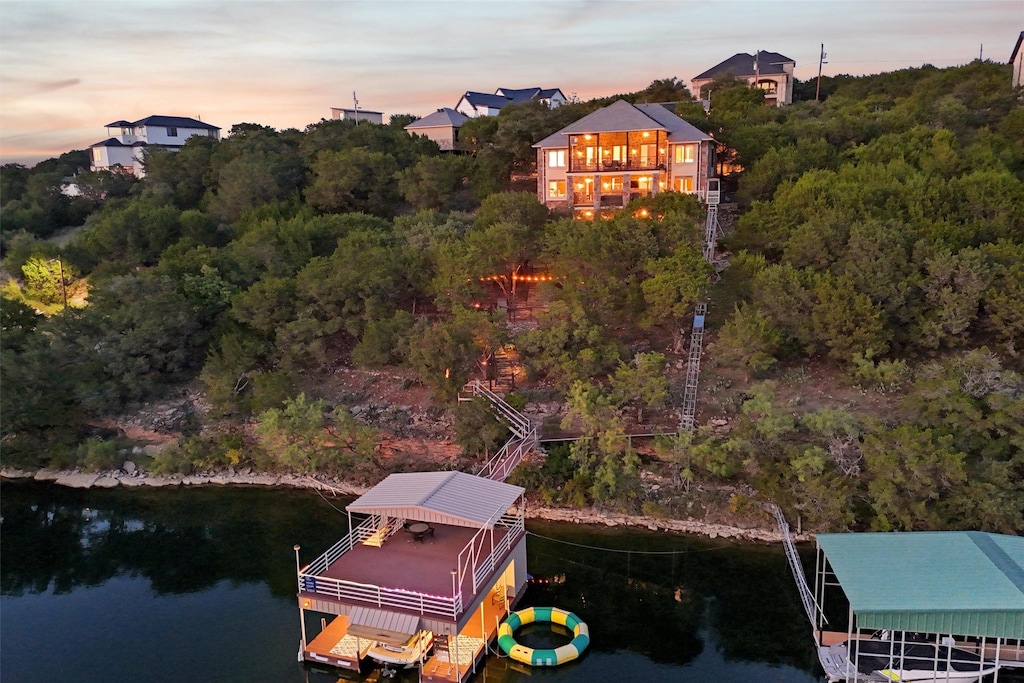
<point x="961" y="592"/>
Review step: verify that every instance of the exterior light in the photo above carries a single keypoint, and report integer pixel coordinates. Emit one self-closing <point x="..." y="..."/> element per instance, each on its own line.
<point x="646" y="134"/>
<point x="587" y="136"/>
<point x="632" y="151"/>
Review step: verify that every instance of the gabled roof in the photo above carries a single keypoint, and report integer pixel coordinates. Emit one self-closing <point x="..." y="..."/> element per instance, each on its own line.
<point x="1016" y="48"/>
<point x="679" y="130"/>
<point x="110" y="142"/>
<point x="617" y="116"/>
<point x="518" y="95"/>
<point x="742" y="64"/>
<point x="622" y="116"/>
<point x="454" y="498"/>
<point x="170" y="121"/>
<point x="558" y="139"/>
<point x="959" y="582"/>
<point x="441" y="117"/>
<point x="484" y="99"/>
<point x="549" y="93"/>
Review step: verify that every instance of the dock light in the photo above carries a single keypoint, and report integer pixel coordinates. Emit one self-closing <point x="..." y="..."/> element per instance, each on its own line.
<point x="307" y="604"/>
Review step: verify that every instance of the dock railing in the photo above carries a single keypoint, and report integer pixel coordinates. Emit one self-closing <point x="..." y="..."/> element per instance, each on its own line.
<point x="806" y="597"/>
<point x="479" y="560"/>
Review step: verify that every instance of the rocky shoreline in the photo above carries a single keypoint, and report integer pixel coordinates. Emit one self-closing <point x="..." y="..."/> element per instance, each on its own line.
<point x="138" y="478"/>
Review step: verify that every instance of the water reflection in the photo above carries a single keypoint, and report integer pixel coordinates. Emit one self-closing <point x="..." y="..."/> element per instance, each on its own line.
<point x="659" y="606"/>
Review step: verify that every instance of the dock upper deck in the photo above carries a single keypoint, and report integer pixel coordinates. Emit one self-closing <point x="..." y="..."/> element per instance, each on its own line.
<point x="474" y="525"/>
<point x="424" y="566"/>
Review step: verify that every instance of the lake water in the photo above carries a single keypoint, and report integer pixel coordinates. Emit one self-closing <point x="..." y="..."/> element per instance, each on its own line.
<point x="199" y="585"/>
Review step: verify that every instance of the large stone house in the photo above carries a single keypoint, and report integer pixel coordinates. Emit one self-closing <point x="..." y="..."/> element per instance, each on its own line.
<point x="619" y="153"/>
<point x="769" y="71"/>
<point x="126" y="147"/>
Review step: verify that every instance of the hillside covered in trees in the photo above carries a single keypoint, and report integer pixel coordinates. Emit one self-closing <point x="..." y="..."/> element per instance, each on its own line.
<point x="880" y="235"/>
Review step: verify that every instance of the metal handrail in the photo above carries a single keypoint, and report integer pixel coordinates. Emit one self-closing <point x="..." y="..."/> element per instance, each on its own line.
<point x="471" y="557"/>
<point x="423" y="603"/>
<point x="811" y="607"/>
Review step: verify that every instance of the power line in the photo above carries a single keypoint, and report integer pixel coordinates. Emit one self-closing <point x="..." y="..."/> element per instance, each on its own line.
<point x="628" y="552"/>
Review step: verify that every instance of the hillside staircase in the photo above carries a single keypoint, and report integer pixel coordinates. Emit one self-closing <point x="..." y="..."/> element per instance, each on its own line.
<point x="688" y="412"/>
<point x="524" y="438"/>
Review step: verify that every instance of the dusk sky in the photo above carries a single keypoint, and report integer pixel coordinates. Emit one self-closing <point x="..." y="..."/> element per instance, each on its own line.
<point x="69" y="67"/>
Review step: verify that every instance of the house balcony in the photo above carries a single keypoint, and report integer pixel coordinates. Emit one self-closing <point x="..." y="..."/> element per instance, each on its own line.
<point x="582" y="199"/>
<point x="439" y="575"/>
<point x="583" y="166"/>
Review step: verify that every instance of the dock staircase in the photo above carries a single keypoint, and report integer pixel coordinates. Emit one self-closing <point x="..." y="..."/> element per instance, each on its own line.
<point x="524" y="434"/>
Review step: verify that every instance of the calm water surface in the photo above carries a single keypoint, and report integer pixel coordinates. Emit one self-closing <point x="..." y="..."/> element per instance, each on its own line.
<point x="199" y="585"/>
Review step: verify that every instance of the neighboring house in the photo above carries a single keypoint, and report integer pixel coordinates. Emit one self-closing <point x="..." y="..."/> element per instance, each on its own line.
<point x="474" y="104"/>
<point x="357" y="115"/>
<point x="130" y="139"/>
<point x="442" y="127"/>
<point x="1017" y="61"/>
<point x="619" y="153"/>
<point x="769" y="71"/>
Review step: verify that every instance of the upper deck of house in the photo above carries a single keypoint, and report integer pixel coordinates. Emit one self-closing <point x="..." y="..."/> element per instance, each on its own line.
<point x="429" y="543"/>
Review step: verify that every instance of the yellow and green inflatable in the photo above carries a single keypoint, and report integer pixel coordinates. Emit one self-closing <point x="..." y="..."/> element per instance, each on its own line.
<point x="553" y="615"/>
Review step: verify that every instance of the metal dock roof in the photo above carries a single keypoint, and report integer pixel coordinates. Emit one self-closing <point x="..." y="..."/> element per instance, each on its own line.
<point x="454" y="498"/>
<point x="960" y="582"/>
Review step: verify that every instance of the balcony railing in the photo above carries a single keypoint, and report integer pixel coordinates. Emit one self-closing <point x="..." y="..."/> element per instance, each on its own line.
<point x="579" y="165"/>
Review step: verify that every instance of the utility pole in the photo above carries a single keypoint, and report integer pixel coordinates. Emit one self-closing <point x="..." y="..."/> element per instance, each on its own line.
<point x="821" y="60"/>
<point x="355" y="106"/>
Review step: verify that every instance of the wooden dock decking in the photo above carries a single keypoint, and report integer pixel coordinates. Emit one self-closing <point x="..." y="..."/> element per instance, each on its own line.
<point x="334" y="646"/>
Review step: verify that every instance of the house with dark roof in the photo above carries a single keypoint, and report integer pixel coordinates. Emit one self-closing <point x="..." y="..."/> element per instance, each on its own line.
<point x="619" y="153"/>
<point x="126" y="148"/>
<point x="442" y="127"/>
<point x="769" y="71"/>
<point x="474" y="104"/>
<point x="1017" y="61"/>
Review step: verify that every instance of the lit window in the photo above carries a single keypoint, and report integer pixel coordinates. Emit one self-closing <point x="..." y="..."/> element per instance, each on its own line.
<point x="685" y="154"/>
<point x="684" y="185"/>
<point x="556" y="189"/>
<point x="556" y="158"/>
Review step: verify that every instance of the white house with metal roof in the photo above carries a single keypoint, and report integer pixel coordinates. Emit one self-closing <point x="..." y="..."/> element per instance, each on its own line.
<point x="436" y="552"/>
<point x="619" y="153"/>
<point x="474" y="104"/>
<point x="769" y="71"/>
<point x="442" y="127"/>
<point x="125" y="149"/>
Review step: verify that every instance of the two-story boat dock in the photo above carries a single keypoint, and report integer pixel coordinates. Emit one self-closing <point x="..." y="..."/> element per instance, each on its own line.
<point x="438" y="555"/>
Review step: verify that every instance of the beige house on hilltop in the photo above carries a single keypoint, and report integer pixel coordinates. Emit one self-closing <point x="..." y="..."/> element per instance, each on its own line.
<point x="619" y="153"/>
<point x="442" y="127"/>
<point x="769" y="71"/>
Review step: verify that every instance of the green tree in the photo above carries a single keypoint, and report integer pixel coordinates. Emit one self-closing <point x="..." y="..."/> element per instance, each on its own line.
<point x="641" y="384"/>
<point x="911" y="469"/>
<point x="354" y="180"/>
